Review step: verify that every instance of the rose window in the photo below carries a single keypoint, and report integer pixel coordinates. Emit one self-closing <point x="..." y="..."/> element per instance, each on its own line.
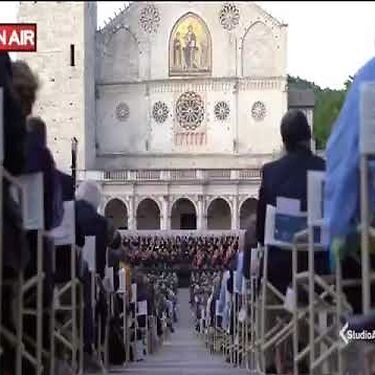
<point x="150" y="18"/>
<point x="160" y="112"/>
<point x="258" y="111"/>
<point x="229" y="16"/>
<point x="221" y="110"/>
<point x="122" y="112"/>
<point x="190" y="110"/>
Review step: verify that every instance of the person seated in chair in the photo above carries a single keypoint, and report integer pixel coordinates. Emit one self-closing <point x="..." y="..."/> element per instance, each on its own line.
<point x="287" y="177"/>
<point x="92" y="223"/>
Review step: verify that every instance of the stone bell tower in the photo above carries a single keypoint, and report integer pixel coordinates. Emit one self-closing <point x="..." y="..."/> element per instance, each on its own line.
<point x="65" y="64"/>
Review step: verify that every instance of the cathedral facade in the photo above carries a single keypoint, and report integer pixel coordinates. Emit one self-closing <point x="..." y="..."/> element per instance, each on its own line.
<point x="175" y="105"/>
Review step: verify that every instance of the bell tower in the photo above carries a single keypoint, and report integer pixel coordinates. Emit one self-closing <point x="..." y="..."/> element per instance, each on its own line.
<point x="65" y="64"/>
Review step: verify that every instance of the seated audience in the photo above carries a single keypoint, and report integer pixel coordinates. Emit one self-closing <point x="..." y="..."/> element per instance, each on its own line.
<point x="92" y="223"/>
<point x="206" y="252"/>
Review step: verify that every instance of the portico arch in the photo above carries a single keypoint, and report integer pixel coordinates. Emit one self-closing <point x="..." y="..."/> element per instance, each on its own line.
<point x="183" y="214"/>
<point x="219" y="215"/>
<point x="116" y="211"/>
<point x="247" y="212"/>
<point x="148" y="215"/>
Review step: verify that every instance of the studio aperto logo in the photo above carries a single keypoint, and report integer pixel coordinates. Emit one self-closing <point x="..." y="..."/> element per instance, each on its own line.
<point x="347" y="335"/>
<point x="343" y="333"/>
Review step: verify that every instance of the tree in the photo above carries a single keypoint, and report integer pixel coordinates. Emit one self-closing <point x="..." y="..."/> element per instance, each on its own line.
<point x="348" y="83"/>
<point x="328" y="104"/>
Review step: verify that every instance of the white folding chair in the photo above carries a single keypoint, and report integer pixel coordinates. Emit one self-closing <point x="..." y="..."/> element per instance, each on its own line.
<point x="89" y="256"/>
<point x="124" y="316"/>
<point x="327" y="307"/>
<point x="253" y="308"/>
<point x="108" y="288"/>
<point x="218" y="332"/>
<point x="133" y="322"/>
<point x="283" y="239"/>
<point x="28" y="191"/>
<point x="33" y="217"/>
<point x="68" y="297"/>
<point x="142" y="311"/>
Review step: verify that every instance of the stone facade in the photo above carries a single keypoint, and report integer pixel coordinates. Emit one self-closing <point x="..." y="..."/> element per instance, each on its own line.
<point x="171" y="89"/>
<point x="238" y="75"/>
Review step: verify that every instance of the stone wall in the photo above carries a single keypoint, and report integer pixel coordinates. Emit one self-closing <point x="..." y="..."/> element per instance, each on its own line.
<point x="66" y="97"/>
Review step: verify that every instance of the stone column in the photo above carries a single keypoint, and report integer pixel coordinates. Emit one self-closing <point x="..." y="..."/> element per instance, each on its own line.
<point x="200" y="213"/>
<point x="204" y="213"/>
<point x="165" y="219"/>
<point x="132" y="217"/>
<point x="235" y="214"/>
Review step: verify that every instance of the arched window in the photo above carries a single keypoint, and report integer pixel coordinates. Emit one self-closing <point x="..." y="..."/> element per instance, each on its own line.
<point x="190" y="47"/>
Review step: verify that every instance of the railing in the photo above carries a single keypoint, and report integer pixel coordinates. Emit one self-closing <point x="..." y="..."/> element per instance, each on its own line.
<point x="218" y="174"/>
<point x="183" y="233"/>
<point x="147" y="175"/>
<point x="183" y="174"/>
<point x="246" y="174"/>
<point x="172" y="175"/>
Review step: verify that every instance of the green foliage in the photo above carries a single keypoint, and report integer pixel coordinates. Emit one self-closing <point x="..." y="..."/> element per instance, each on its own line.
<point x="328" y="104"/>
<point x="327" y="108"/>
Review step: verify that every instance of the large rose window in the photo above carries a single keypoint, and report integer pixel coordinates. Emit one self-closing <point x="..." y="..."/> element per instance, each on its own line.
<point x="190" y="110"/>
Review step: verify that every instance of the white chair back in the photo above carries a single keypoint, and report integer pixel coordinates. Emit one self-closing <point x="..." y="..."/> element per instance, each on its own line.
<point x="65" y="234"/>
<point x="33" y="201"/>
<point x="217" y="308"/>
<point x="142" y="308"/>
<point x="122" y="280"/>
<point x="134" y="293"/>
<point x="109" y="279"/>
<point x="89" y="253"/>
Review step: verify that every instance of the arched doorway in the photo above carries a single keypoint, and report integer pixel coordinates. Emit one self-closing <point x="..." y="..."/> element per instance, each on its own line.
<point x="148" y="215"/>
<point x="248" y="212"/>
<point x="116" y="211"/>
<point x="219" y="215"/>
<point x="184" y="215"/>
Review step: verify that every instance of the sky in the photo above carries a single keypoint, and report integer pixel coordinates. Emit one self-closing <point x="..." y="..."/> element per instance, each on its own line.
<point x="327" y="41"/>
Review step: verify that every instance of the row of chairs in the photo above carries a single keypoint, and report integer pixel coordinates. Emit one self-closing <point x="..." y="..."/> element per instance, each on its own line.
<point x="262" y="319"/>
<point x="65" y="314"/>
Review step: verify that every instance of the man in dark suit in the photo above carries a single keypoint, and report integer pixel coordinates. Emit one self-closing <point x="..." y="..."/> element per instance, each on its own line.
<point x="287" y="177"/>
